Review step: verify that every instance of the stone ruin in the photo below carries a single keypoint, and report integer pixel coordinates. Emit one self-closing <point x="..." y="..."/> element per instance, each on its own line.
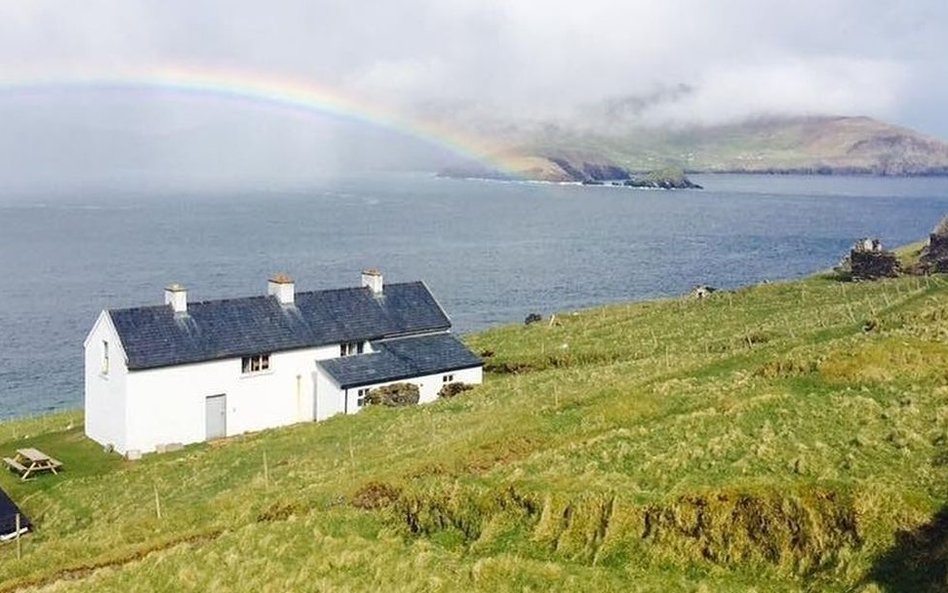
<point x="869" y="261"/>
<point x="934" y="256"/>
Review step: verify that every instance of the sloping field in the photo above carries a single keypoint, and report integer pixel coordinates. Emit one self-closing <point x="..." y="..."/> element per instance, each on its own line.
<point x="784" y="437"/>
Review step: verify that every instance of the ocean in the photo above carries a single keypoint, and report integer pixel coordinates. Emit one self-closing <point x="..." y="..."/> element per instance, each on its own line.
<point x="492" y="252"/>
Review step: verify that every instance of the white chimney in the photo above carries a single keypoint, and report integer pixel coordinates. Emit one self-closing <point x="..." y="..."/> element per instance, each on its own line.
<point x="373" y="280"/>
<point x="176" y="295"/>
<point x="281" y="286"/>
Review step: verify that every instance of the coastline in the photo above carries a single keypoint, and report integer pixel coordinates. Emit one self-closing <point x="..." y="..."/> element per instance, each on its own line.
<point x="550" y="260"/>
<point x="904" y="252"/>
<point x="855" y="173"/>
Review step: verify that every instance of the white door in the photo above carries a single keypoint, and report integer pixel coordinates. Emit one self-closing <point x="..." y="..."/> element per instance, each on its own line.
<point x="216" y="416"/>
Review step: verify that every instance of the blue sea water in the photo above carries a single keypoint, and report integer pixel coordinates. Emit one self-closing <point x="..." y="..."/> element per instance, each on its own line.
<point x="491" y="252"/>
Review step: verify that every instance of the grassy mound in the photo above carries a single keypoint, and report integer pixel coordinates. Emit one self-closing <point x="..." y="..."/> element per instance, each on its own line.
<point x="784" y="437"/>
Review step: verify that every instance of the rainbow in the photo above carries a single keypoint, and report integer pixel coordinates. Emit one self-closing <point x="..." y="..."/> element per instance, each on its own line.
<point x="282" y="94"/>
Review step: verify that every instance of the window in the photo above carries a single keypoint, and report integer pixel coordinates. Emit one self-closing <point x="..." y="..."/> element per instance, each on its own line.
<point x="105" y="357"/>
<point x="447" y="378"/>
<point x="255" y="364"/>
<point x="361" y="395"/>
<point x="350" y="348"/>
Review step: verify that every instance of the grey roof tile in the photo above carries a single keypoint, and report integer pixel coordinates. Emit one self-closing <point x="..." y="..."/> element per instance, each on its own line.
<point x="155" y="336"/>
<point x="403" y="358"/>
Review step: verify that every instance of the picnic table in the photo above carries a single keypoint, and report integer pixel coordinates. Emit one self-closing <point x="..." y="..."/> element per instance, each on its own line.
<point x="31" y="461"/>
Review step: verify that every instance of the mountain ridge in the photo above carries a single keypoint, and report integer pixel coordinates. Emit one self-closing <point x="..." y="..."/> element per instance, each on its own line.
<point x="823" y="145"/>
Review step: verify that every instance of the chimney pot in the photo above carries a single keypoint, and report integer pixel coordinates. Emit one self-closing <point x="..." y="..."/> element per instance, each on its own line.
<point x="372" y="279"/>
<point x="176" y="295"/>
<point x="282" y="287"/>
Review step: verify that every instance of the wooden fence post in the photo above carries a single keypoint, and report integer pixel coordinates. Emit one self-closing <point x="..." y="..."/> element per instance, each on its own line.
<point x="266" y="471"/>
<point x="19" y="553"/>
<point x="352" y="458"/>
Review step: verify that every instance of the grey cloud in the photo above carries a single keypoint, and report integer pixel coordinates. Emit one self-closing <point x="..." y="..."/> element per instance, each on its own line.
<point x="475" y="58"/>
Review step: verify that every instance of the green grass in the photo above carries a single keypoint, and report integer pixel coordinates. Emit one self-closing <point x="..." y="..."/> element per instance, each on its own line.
<point x="805" y="144"/>
<point x="765" y="439"/>
<point x="910" y="254"/>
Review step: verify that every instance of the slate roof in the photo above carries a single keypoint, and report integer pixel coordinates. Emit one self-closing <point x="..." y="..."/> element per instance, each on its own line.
<point x="8" y="512"/>
<point x="155" y="336"/>
<point x="404" y="358"/>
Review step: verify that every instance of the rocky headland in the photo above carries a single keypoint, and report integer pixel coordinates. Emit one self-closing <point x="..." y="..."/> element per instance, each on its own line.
<point x="668" y="178"/>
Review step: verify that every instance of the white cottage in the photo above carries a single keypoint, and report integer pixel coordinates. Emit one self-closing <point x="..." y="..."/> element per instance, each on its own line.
<point x="189" y="372"/>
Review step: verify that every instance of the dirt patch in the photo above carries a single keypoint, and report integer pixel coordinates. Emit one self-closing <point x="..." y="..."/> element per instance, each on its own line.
<point x="376" y="495"/>
<point x="282" y="510"/>
<point x="564" y="358"/>
<point x="784" y="368"/>
<point x="487" y="457"/>
<point x="508" y="368"/>
<point x="465" y="510"/>
<point x="798" y="532"/>
<point x="802" y="532"/>
<point x="81" y="571"/>
<point x="453" y="389"/>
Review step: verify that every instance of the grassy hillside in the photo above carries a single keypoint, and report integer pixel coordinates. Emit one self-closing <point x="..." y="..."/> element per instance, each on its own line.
<point x="814" y="144"/>
<point x="784" y="437"/>
<point x="777" y="145"/>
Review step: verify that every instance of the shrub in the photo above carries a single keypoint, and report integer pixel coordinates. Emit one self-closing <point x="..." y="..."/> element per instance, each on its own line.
<point x="452" y="389"/>
<point x="394" y="395"/>
<point x="375" y="495"/>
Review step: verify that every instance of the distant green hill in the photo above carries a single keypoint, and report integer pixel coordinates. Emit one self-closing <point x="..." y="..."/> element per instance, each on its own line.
<point x="784" y="437"/>
<point x="821" y="145"/>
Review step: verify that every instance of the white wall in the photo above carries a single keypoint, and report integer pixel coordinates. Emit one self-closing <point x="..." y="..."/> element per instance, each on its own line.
<point x="139" y="410"/>
<point x="333" y="398"/>
<point x="433" y="384"/>
<point x="167" y="405"/>
<point x="329" y="398"/>
<point x="105" y="392"/>
<point x="473" y="376"/>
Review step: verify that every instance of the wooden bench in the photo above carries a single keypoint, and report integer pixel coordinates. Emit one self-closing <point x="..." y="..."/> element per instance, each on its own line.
<point x="15" y="465"/>
<point x="32" y="461"/>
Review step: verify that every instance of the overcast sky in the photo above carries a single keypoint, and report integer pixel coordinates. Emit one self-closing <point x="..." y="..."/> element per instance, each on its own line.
<point x="520" y="59"/>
